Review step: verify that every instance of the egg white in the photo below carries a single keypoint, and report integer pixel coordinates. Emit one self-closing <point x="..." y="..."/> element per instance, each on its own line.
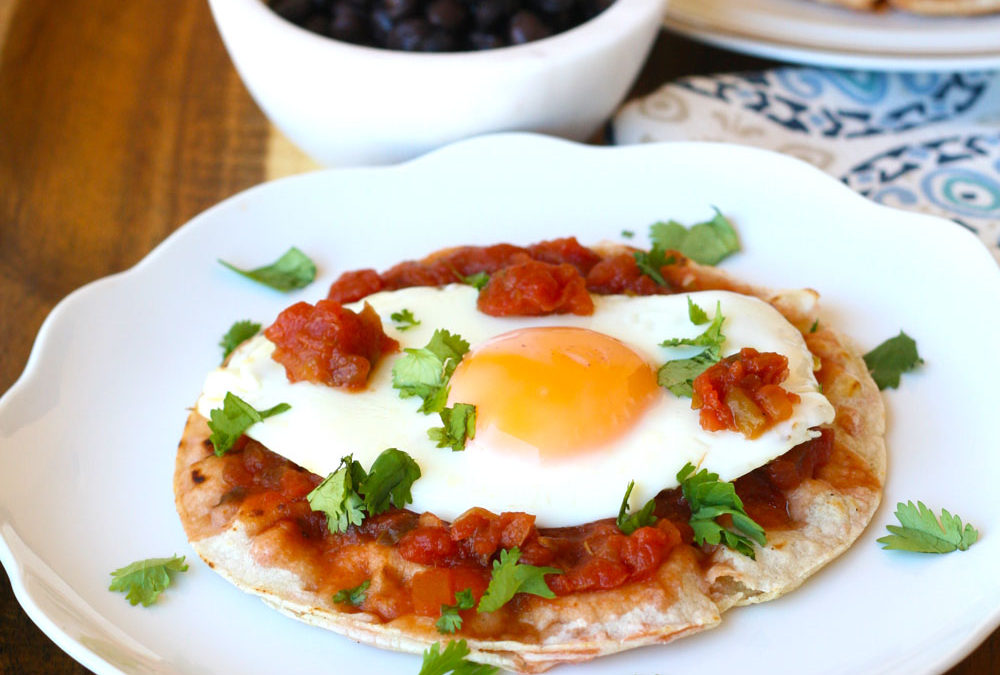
<point x="326" y="423"/>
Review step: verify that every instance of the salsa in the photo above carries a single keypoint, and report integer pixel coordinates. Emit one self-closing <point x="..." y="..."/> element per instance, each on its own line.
<point x="742" y="393"/>
<point x="268" y="494"/>
<point x="327" y="343"/>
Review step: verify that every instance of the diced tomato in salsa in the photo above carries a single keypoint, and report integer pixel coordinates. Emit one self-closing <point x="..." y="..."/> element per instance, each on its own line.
<point x="327" y="343"/>
<point x="535" y="288"/>
<point x="742" y="393"/>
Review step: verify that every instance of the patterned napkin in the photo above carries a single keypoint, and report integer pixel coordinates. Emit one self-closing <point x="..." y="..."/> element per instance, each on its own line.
<point x="923" y="142"/>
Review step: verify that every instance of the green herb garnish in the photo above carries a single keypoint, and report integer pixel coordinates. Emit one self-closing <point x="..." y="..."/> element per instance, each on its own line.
<point x="641" y="518"/>
<point x="233" y="419"/>
<point x="349" y="492"/>
<point x="459" y="425"/>
<point x="919" y="530"/>
<point x="650" y="262"/>
<point x="452" y="660"/>
<point x="892" y="358"/>
<point x="353" y="596"/>
<point x="237" y="334"/>
<point x="708" y="243"/>
<point x="291" y="271"/>
<point x="509" y="578"/>
<point x="451" y="620"/>
<point x="425" y="372"/>
<point x="404" y="319"/>
<point x="477" y="280"/>
<point x="144" y="580"/>
<point x="678" y="375"/>
<point x="710" y="498"/>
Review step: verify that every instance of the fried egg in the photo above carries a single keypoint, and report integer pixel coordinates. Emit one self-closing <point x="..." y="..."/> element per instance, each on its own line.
<point x="568" y="407"/>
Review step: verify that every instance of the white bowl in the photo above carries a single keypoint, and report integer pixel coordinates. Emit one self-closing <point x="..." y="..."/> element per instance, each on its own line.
<point x="350" y="105"/>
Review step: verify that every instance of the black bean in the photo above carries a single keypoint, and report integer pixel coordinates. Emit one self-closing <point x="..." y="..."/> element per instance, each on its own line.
<point x="409" y="34"/>
<point x="526" y="26"/>
<point x="397" y="9"/>
<point x="438" y="25"/>
<point x="592" y="8"/>
<point x="381" y="24"/>
<point x="552" y="6"/>
<point x="349" y="22"/>
<point x="447" y="14"/>
<point x="295" y="11"/>
<point x="479" y="40"/>
<point x="318" y="23"/>
<point x="440" y="41"/>
<point x="488" y="13"/>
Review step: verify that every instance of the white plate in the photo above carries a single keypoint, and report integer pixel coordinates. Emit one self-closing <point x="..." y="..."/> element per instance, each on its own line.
<point x="805" y="31"/>
<point x="88" y="434"/>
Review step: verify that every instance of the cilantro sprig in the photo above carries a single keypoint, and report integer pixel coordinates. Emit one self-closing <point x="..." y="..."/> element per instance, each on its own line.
<point x="892" y="358"/>
<point x="459" y="426"/>
<point x="291" y="271"/>
<point x="629" y="523"/>
<point x="919" y="530"/>
<point x="235" y="416"/>
<point x="650" y="262"/>
<point x="337" y="496"/>
<point x="425" y="372"/>
<point x="144" y="580"/>
<point x="477" y="280"/>
<point x="452" y="660"/>
<point x="678" y="375"/>
<point x="710" y="498"/>
<point x="353" y="596"/>
<point x="510" y="578"/>
<point x="404" y="320"/>
<point x="450" y="620"/>
<point x="237" y="334"/>
<point x="708" y="243"/>
<point x="350" y="493"/>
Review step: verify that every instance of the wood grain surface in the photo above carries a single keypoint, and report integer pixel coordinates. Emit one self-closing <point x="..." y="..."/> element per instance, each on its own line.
<point x="119" y="121"/>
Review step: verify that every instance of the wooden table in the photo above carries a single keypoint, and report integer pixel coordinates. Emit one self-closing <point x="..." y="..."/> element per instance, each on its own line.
<point x="119" y="121"/>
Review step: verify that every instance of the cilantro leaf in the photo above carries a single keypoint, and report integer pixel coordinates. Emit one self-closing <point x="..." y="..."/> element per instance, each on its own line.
<point x="391" y="476"/>
<point x="404" y="319"/>
<point x="337" y="496"/>
<point x="353" y="596"/>
<point x="892" y="358"/>
<point x="450" y="620"/>
<point x="238" y="333"/>
<point x="814" y="327"/>
<point x="459" y="425"/>
<point x="509" y="578"/>
<point x="627" y="234"/>
<point x="292" y="270"/>
<point x="477" y="280"/>
<point x="678" y="375"/>
<point x="144" y="580"/>
<point x="710" y="498"/>
<point x="452" y="660"/>
<point x="708" y="243"/>
<point x="425" y="372"/>
<point x="920" y="530"/>
<point x="347" y="493"/>
<point x="696" y="314"/>
<point x="233" y="419"/>
<point x="650" y="262"/>
<point x="711" y="338"/>
<point x="641" y="518"/>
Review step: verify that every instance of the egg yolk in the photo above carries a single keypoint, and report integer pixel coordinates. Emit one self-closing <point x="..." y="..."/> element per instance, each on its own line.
<point x="561" y="390"/>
